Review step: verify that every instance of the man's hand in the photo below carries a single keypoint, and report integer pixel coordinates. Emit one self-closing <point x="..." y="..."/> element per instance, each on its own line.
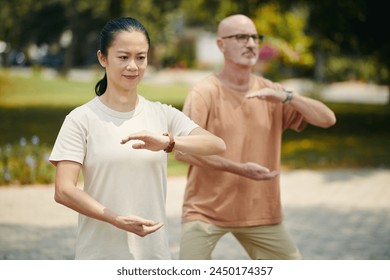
<point x="275" y="95"/>
<point x="257" y="172"/>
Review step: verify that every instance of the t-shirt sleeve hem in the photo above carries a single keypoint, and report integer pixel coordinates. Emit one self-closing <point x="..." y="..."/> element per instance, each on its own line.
<point x="54" y="159"/>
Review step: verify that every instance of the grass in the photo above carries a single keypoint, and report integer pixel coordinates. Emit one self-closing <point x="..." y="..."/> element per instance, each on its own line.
<point x="38" y="92"/>
<point x="359" y="139"/>
<point x="34" y="106"/>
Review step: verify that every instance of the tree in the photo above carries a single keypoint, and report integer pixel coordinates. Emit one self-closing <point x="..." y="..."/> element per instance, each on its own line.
<point x="350" y="28"/>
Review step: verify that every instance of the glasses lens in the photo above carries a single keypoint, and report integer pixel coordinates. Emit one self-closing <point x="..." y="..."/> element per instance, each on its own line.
<point x="244" y="38"/>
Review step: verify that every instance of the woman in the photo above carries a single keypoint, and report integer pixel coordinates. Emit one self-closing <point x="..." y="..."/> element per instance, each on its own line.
<point x="120" y="140"/>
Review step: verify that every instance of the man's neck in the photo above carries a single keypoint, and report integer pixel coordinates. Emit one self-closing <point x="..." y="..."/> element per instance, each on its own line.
<point x="236" y="78"/>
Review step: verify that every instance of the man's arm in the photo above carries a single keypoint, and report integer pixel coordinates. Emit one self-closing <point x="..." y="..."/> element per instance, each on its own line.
<point x="250" y="170"/>
<point x="314" y="111"/>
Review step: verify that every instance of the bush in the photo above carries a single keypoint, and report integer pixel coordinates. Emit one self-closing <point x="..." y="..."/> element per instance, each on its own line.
<point x="25" y="163"/>
<point x="339" y="68"/>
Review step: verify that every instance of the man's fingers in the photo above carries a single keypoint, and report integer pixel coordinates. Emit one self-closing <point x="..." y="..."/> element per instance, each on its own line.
<point x="252" y="94"/>
<point x="264" y="169"/>
<point x="270" y="175"/>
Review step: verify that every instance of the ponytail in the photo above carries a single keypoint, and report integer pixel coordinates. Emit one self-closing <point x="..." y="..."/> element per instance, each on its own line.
<point x="101" y="86"/>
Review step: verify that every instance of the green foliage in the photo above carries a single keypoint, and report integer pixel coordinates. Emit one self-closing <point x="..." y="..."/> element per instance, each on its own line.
<point x="25" y="163"/>
<point x="349" y="29"/>
<point x="182" y="55"/>
<point x="359" y="139"/>
<point x="355" y="68"/>
<point x="285" y="32"/>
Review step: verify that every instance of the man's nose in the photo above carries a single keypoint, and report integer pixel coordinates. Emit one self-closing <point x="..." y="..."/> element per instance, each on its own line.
<point x="251" y="42"/>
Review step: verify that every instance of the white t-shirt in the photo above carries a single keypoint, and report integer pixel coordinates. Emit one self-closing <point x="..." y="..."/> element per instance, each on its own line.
<point x="125" y="180"/>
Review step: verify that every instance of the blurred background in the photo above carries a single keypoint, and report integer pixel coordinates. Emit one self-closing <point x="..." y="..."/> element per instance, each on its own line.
<point x="335" y="181"/>
<point x="325" y="40"/>
<point x="336" y="51"/>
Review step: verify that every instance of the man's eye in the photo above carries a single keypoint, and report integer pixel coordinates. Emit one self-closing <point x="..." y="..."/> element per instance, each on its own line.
<point x="241" y="36"/>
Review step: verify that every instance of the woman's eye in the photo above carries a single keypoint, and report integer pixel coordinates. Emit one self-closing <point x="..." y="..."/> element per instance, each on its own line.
<point x="123" y="57"/>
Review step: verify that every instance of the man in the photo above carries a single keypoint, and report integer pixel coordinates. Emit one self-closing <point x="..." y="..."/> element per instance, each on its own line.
<point x="235" y="192"/>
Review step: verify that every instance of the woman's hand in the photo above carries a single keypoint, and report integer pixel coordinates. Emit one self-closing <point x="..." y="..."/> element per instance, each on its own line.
<point x="149" y="140"/>
<point x="137" y="225"/>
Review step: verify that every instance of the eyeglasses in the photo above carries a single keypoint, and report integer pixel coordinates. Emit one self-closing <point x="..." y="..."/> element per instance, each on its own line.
<point x="244" y="38"/>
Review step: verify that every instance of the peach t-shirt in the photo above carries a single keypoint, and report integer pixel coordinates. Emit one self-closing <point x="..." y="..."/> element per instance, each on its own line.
<point x="252" y="130"/>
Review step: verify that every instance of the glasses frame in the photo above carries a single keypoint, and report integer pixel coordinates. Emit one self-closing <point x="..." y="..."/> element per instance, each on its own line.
<point x="244" y="38"/>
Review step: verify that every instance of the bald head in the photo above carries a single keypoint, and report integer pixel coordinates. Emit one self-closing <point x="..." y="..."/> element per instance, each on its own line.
<point x="236" y="24"/>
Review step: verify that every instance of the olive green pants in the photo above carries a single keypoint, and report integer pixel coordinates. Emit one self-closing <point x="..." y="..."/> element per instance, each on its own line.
<point x="270" y="242"/>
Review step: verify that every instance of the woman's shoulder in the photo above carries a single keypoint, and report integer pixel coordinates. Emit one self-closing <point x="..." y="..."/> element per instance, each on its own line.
<point x="145" y="102"/>
<point x="160" y="109"/>
<point x="83" y="111"/>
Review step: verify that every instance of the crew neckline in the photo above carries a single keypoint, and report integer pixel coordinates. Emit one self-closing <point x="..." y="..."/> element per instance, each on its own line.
<point x="120" y="115"/>
<point x="252" y="83"/>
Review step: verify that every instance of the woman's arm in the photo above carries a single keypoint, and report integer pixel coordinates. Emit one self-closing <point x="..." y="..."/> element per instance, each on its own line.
<point x="198" y="142"/>
<point x="68" y="194"/>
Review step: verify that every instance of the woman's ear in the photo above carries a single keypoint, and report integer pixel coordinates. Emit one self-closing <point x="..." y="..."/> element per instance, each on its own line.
<point x="102" y="58"/>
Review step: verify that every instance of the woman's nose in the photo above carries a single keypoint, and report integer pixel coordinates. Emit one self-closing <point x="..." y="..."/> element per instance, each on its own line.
<point x="131" y="65"/>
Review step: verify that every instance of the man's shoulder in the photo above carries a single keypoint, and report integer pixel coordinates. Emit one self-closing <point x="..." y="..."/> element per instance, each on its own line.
<point x="206" y="86"/>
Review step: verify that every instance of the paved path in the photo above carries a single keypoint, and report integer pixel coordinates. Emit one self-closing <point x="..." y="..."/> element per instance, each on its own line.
<point x="332" y="215"/>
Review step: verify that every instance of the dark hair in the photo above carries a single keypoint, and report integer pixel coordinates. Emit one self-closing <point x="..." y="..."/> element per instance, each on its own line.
<point x="107" y="36"/>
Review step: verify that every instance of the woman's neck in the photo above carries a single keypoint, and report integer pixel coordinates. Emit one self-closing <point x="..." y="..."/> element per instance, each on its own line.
<point x="120" y="101"/>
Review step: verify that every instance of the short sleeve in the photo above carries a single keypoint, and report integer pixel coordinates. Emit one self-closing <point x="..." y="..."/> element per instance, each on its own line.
<point x="197" y="108"/>
<point x="179" y="123"/>
<point x="292" y="119"/>
<point x="71" y="142"/>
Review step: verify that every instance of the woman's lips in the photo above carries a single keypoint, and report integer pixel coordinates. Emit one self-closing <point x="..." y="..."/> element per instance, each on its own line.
<point x="130" y="77"/>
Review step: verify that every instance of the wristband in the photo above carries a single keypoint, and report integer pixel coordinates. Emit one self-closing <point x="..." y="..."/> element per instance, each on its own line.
<point x="171" y="144"/>
<point x="288" y="97"/>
